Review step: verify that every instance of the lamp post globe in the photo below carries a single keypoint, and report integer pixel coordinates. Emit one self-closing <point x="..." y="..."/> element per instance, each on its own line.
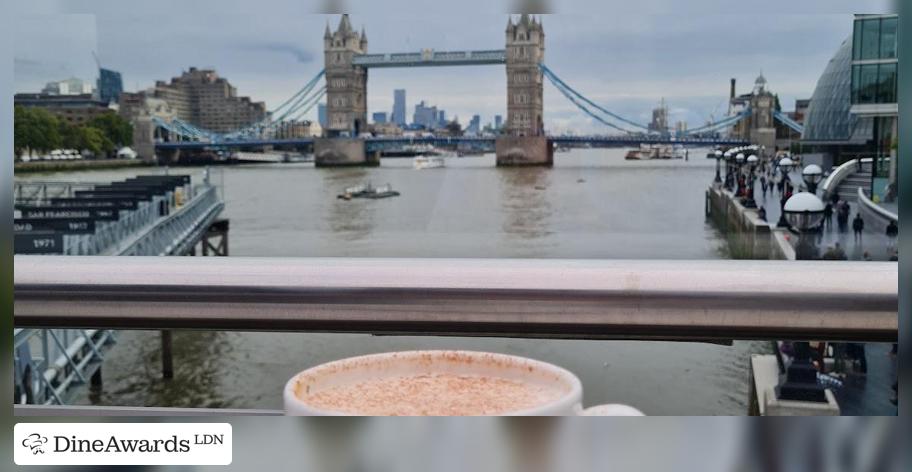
<point x="804" y="212"/>
<point x="812" y="175"/>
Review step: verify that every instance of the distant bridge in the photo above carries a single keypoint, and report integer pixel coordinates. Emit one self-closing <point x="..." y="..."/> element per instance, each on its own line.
<point x="385" y="143"/>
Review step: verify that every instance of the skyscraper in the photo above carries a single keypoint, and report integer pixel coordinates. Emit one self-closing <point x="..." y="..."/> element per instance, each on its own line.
<point x="426" y="116"/>
<point x="399" y="107"/>
<point x="321" y="114"/>
<point x="498" y="121"/>
<point x="474" y="125"/>
<point x="110" y="85"/>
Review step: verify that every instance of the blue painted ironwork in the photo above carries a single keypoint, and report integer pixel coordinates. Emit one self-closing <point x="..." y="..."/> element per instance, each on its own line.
<point x="381" y="143"/>
<point x="721" y="124"/>
<point x="784" y="119"/>
<point x="429" y="57"/>
<point x="561" y="85"/>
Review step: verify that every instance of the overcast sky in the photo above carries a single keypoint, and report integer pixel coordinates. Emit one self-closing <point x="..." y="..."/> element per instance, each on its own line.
<point x="624" y="60"/>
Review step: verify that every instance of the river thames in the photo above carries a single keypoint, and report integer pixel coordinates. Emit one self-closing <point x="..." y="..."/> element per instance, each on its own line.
<point x="591" y="205"/>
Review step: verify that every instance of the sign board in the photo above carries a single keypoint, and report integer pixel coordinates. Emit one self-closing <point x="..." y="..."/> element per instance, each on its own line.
<point x="38" y="242"/>
<point x="64" y="225"/>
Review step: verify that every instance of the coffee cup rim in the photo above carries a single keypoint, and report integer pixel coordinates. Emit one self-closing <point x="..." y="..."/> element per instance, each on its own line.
<point x="565" y="402"/>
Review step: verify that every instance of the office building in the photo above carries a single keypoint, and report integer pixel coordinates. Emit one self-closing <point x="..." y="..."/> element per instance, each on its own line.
<point x="210" y="102"/>
<point x="853" y="110"/>
<point x="379" y="117"/>
<point x="72" y="86"/>
<point x="73" y="109"/>
<point x="498" y="122"/>
<point x="426" y="116"/>
<point x="399" y="107"/>
<point x="110" y="85"/>
<point x="474" y="126"/>
<point x="321" y="114"/>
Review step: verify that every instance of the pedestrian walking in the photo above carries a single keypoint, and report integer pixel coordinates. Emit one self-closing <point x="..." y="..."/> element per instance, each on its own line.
<point x="857" y="227"/>
<point x="828" y="215"/>
<point x="892" y="233"/>
<point x="842" y="216"/>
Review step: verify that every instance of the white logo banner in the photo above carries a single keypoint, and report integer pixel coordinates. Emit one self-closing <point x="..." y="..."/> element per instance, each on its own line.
<point x="122" y="444"/>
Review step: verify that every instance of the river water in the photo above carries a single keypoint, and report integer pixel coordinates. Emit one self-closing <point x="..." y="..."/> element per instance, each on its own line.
<point x="591" y="204"/>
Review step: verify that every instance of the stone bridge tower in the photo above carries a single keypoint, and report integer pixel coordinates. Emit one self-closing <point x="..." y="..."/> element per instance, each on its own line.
<point x="524" y="141"/>
<point x="763" y="104"/>
<point x="346" y="84"/>
<point x="525" y="51"/>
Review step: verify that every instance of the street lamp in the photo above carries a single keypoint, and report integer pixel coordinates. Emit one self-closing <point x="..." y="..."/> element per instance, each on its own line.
<point x="785" y="167"/>
<point x="718" y="180"/>
<point x="804" y="212"/>
<point x="752" y="165"/>
<point x="812" y="175"/>
<point x="739" y="161"/>
<point x="727" y="155"/>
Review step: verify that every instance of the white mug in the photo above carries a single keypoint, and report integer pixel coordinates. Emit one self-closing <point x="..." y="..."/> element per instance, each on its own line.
<point x="409" y="363"/>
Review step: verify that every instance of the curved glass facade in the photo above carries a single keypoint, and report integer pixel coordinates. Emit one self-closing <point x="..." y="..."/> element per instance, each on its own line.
<point x="828" y="119"/>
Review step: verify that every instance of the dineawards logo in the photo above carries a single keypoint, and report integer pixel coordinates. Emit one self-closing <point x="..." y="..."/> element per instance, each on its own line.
<point x="122" y="443"/>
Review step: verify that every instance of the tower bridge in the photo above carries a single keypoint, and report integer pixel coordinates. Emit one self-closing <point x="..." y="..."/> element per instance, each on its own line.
<point x="347" y="63"/>
<point x="523" y="140"/>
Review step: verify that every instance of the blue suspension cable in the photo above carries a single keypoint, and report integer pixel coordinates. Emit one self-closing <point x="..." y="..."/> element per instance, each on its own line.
<point x="555" y="79"/>
<point x="587" y="110"/>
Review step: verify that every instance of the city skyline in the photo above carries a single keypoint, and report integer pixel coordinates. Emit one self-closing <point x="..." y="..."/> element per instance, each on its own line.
<point x="643" y="63"/>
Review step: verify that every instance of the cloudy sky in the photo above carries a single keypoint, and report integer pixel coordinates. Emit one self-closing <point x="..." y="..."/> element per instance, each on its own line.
<point x="624" y="59"/>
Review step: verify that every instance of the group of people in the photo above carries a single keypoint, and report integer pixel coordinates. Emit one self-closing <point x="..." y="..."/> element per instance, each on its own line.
<point x="773" y="180"/>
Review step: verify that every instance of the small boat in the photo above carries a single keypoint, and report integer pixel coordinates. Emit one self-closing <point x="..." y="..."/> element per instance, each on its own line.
<point x="654" y="151"/>
<point x="429" y="162"/>
<point x="368" y="191"/>
<point x="383" y="191"/>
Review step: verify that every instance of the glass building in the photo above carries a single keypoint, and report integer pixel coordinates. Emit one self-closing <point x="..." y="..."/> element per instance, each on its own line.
<point x="110" y="85"/>
<point x="853" y="110"/>
<point x="874" y="81"/>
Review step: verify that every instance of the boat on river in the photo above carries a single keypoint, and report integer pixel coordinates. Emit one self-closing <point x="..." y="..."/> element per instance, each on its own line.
<point x="428" y="162"/>
<point x="368" y="191"/>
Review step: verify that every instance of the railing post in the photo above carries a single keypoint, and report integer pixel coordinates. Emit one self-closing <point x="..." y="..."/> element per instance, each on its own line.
<point x="167" y="363"/>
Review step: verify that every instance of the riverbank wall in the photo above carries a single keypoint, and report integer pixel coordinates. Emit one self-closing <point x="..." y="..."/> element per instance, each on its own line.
<point x="748" y="236"/>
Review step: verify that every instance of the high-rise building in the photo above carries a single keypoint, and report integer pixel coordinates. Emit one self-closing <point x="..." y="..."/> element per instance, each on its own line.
<point x="498" y="122"/>
<point x="399" y="107"/>
<point x="321" y="114"/>
<point x="425" y="116"/>
<point x="474" y="125"/>
<point x="202" y="98"/>
<point x="379" y="117"/>
<point x="659" y="118"/>
<point x="110" y="85"/>
<point x="441" y="118"/>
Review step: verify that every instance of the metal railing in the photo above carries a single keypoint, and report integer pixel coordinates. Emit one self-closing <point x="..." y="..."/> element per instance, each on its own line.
<point x="684" y="300"/>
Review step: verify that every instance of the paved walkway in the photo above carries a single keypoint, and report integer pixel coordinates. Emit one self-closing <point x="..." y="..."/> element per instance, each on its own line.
<point x="875" y="244"/>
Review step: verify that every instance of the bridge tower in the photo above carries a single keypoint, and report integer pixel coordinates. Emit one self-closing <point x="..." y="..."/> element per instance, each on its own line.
<point x="346" y="98"/>
<point x="762" y="103"/>
<point x="524" y="141"/>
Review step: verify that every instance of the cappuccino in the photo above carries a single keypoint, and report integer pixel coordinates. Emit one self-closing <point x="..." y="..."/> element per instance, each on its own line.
<point x="432" y="394"/>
